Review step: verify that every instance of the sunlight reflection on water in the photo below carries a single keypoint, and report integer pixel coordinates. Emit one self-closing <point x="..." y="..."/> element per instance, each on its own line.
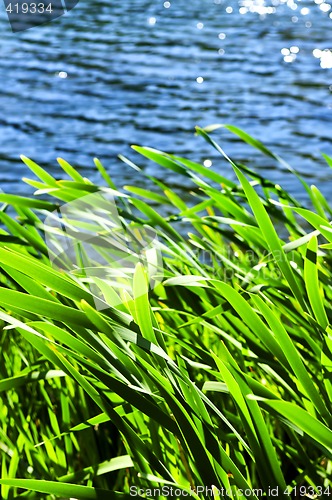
<point x="106" y="76"/>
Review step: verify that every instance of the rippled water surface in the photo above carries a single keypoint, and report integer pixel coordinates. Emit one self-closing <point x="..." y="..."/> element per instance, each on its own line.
<point x="110" y="74"/>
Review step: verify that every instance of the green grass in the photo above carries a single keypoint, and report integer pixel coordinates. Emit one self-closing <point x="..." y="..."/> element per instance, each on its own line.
<point x="220" y="375"/>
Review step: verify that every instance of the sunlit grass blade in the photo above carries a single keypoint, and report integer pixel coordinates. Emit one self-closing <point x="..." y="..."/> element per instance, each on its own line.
<point x="315" y="293"/>
<point x="65" y="490"/>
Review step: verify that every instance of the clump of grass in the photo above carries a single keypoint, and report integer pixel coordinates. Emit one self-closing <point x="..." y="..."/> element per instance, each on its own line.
<point x="219" y="377"/>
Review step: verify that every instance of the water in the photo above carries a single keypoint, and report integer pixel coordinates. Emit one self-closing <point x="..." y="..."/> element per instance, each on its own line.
<point x="110" y="74"/>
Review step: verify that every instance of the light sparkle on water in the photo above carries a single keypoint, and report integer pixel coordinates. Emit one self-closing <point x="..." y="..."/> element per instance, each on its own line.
<point x="325" y="57"/>
<point x="325" y="7"/>
<point x="290" y="54"/>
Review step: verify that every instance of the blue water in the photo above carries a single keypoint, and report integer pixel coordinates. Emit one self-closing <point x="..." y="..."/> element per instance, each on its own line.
<point x="110" y="74"/>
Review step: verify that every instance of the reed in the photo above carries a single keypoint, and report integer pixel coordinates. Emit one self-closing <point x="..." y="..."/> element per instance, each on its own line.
<point x="214" y="381"/>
